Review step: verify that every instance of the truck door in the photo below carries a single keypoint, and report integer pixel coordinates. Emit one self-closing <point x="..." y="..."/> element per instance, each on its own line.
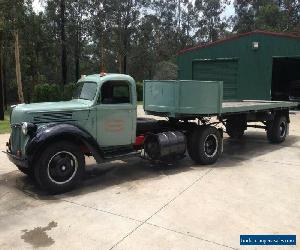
<point x="116" y="113"/>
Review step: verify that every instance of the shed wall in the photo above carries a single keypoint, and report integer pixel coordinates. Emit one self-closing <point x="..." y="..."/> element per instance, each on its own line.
<point x="255" y="66"/>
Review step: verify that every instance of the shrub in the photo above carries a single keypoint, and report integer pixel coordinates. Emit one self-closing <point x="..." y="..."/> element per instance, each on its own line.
<point x="165" y="70"/>
<point x="46" y="93"/>
<point x="52" y="92"/>
<point x="68" y="91"/>
<point x="139" y="91"/>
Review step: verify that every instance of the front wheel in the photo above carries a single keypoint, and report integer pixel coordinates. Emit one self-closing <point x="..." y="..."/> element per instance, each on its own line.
<point x="60" y="167"/>
<point x="205" y="145"/>
<point x="26" y="171"/>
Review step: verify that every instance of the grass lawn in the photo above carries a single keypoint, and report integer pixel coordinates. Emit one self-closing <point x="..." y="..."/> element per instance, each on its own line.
<point x="4" y="125"/>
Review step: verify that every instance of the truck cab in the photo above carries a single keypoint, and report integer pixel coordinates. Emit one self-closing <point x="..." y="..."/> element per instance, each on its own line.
<point x="114" y="110"/>
<point x="99" y="120"/>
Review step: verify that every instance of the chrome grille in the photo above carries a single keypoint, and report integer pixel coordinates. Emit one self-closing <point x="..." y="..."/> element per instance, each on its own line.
<point x="15" y="138"/>
<point x="53" y="117"/>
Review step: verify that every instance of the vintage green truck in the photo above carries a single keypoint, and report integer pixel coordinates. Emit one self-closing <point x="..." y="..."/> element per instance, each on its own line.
<point x="49" y="141"/>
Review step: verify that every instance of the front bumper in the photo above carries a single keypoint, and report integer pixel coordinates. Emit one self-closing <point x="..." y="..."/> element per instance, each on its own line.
<point x="18" y="161"/>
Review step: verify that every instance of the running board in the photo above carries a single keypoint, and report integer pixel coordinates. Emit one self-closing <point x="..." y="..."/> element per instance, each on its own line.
<point x="121" y="156"/>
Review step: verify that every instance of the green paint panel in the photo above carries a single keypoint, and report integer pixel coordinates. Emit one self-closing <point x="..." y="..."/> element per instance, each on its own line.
<point x="174" y="98"/>
<point x="255" y="66"/>
<point x="218" y="70"/>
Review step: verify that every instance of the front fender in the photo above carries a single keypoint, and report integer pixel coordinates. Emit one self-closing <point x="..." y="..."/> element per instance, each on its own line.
<point x="61" y="131"/>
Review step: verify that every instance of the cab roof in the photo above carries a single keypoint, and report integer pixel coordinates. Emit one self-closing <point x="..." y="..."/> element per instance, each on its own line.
<point x="99" y="79"/>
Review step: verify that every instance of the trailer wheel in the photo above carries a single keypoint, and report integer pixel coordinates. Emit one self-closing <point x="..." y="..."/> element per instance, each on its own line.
<point x="60" y="167"/>
<point x="235" y="127"/>
<point x="205" y="145"/>
<point x="277" y="129"/>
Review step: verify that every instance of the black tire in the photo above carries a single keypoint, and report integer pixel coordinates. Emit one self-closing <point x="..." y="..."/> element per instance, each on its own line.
<point x="236" y="126"/>
<point x="205" y="145"/>
<point x="27" y="171"/>
<point x="60" y="167"/>
<point x="277" y="129"/>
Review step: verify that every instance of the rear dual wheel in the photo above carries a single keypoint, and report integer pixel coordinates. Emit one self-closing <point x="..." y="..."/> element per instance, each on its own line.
<point x="205" y="145"/>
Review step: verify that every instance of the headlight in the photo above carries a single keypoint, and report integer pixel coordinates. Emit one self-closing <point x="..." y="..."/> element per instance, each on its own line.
<point x="28" y="128"/>
<point x="25" y="128"/>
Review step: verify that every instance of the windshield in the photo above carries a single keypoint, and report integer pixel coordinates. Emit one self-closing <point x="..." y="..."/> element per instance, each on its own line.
<point x="85" y="90"/>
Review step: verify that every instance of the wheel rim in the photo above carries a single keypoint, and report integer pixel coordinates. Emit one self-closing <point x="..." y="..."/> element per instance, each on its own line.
<point x="282" y="129"/>
<point x="62" y="167"/>
<point x="211" y="145"/>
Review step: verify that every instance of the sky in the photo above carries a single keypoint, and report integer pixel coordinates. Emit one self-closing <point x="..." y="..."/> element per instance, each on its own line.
<point x="229" y="11"/>
<point x="37" y="7"/>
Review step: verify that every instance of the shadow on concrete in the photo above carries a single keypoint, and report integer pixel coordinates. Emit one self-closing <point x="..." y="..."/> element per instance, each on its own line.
<point x="255" y="144"/>
<point x="99" y="177"/>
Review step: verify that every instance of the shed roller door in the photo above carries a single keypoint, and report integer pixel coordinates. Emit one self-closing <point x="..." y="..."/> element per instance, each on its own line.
<point x="225" y="71"/>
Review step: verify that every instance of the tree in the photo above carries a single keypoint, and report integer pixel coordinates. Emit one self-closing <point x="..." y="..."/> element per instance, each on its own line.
<point x="273" y="15"/>
<point x="244" y="18"/>
<point x="63" y="42"/>
<point x="77" y="11"/>
<point x="165" y="71"/>
<point x="122" y="24"/>
<point x="1" y="74"/>
<point x="14" y="13"/>
<point x="269" y="17"/>
<point x="18" y="67"/>
<point x="210" y="22"/>
<point x="291" y="15"/>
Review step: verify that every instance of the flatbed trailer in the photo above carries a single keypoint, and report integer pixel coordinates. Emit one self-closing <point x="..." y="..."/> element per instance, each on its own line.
<point x="197" y="99"/>
<point x="183" y="102"/>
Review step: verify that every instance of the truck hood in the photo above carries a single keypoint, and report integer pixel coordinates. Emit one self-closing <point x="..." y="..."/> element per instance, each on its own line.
<point x="54" y="106"/>
<point x="48" y="111"/>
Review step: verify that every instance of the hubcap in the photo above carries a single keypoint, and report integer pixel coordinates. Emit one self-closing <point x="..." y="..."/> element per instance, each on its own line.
<point x="62" y="167"/>
<point x="211" y="145"/>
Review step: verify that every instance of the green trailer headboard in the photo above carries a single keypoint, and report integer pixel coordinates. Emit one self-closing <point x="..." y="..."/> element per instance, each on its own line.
<point x="181" y="98"/>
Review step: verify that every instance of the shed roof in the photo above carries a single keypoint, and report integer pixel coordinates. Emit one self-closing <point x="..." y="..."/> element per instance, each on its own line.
<point x="235" y="37"/>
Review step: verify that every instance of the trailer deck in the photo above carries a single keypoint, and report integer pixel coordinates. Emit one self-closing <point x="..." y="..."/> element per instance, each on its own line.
<point x="191" y="99"/>
<point x="254" y="106"/>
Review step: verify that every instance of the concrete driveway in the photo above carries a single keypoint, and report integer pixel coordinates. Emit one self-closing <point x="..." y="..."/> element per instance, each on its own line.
<point x="253" y="189"/>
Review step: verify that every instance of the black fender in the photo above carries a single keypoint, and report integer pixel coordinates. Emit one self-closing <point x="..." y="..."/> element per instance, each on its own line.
<point x="61" y="131"/>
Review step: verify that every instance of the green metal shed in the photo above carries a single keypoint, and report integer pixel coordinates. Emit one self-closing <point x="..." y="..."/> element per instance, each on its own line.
<point x="257" y="65"/>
